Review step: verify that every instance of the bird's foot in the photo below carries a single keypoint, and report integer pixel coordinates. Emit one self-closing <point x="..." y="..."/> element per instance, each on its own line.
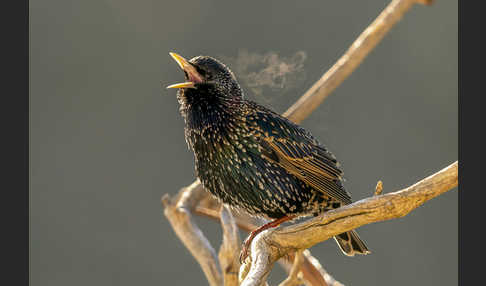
<point x="245" y="249"/>
<point x="246" y="245"/>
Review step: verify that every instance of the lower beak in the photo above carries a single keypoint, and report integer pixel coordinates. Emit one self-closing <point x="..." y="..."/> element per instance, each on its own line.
<point x="192" y="75"/>
<point x="187" y="84"/>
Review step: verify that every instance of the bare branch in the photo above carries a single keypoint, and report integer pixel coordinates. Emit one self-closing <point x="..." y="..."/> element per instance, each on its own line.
<point x="330" y="281"/>
<point x="353" y="57"/>
<point x="295" y="276"/>
<point x="230" y="248"/>
<point x="270" y="245"/>
<point x="316" y="274"/>
<point x="178" y="212"/>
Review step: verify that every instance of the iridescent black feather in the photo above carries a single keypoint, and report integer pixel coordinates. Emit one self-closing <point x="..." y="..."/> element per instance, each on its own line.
<point x="255" y="160"/>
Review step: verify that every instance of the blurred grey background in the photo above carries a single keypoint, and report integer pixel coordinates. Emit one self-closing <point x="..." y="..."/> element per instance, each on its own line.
<point x="107" y="138"/>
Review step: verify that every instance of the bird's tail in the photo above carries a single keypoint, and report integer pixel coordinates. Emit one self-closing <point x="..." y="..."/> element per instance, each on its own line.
<point x="350" y="243"/>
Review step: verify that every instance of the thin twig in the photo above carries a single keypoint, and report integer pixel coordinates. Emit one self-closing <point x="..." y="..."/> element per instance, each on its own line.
<point x="294" y="278"/>
<point x="330" y="281"/>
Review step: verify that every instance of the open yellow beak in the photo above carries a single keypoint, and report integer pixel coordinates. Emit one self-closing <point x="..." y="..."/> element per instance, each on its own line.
<point x="193" y="76"/>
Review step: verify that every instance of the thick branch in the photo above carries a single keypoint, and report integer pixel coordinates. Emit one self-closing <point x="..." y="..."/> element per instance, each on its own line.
<point x="270" y="245"/>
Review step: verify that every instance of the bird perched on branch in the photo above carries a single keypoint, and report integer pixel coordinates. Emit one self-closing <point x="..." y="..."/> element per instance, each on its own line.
<point x="252" y="158"/>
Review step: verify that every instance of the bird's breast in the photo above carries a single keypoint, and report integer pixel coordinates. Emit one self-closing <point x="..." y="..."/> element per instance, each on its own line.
<point x="231" y="166"/>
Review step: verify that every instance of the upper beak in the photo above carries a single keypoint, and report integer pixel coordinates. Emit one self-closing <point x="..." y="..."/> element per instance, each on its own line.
<point x="192" y="75"/>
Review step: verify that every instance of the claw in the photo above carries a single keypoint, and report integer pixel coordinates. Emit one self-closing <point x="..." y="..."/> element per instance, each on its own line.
<point x="249" y="239"/>
<point x="244" y="250"/>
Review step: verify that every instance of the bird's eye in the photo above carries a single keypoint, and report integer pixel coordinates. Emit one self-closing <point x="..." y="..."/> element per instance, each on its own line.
<point x="201" y="71"/>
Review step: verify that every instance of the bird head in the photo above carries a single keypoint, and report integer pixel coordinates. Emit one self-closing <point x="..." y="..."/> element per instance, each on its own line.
<point x="206" y="78"/>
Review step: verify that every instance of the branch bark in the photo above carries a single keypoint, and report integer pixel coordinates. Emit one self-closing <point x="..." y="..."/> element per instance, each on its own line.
<point x="270" y="245"/>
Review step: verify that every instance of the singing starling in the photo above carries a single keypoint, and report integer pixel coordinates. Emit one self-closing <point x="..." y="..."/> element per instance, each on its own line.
<point x="252" y="158"/>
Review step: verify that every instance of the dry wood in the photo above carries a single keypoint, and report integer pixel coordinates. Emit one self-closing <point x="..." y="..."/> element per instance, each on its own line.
<point x="230" y="248"/>
<point x="295" y="276"/>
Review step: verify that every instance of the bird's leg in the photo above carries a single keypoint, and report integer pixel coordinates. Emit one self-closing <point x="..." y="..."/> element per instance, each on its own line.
<point x="249" y="239"/>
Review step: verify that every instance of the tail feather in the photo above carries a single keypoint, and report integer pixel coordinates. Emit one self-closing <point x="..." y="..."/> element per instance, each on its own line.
<point x="351" y="244"/>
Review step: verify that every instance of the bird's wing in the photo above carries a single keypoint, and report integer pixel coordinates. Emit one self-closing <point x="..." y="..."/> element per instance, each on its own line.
<point x="294" y="149"/>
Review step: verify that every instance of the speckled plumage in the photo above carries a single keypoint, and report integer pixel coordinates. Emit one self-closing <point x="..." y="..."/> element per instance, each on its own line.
<point x="252" y="158"/>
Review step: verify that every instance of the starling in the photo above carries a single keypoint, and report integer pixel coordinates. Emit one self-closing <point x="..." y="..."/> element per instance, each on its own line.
<point x="252" y="158"/>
